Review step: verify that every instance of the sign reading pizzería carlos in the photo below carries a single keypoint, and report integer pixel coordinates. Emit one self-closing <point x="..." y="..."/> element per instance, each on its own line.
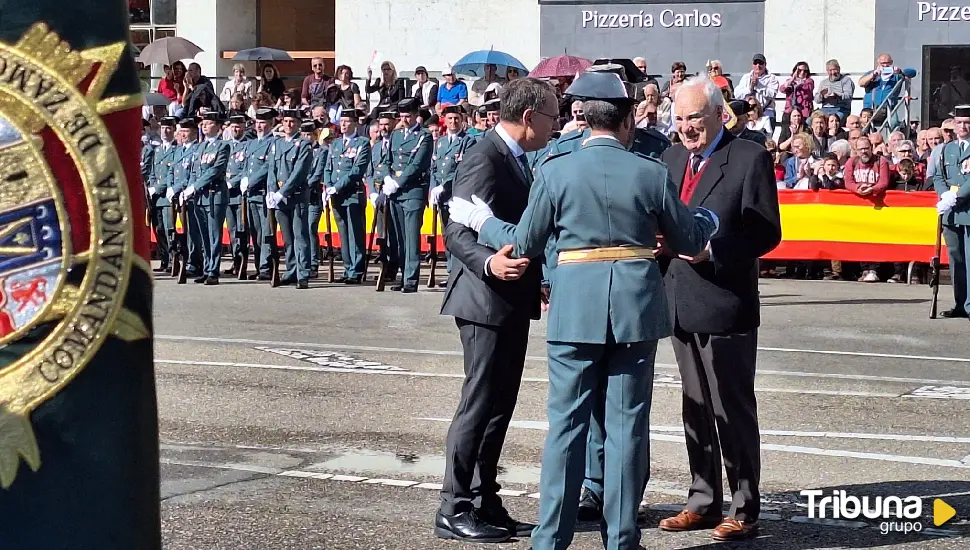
<point x="643" y="19"/>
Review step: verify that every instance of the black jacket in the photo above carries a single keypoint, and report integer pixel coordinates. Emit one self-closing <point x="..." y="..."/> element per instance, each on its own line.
<point x="489" y="171"/>
<point x="737" y="184"/>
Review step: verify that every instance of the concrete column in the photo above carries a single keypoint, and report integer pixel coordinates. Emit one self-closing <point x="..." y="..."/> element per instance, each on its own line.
<point x="216" y="26"/>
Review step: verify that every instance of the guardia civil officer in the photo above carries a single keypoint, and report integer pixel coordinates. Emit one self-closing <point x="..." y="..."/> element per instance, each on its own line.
<point x="287" y="193"/>
<point x="344" y="174"/>
<point x="186" y="157"/>
<point x="209" y="191"/>
<point x="253" y="188"/>
<point x="448" y="152"/>
<point x="952" y="184"/>
<point x="159" y="182"/>
<point x="380" y="167"/>
<point x="310" y="130"/>
<point x="407" y="191"/>
<point x="235" y="172"/>
<point x="607" y="206"/>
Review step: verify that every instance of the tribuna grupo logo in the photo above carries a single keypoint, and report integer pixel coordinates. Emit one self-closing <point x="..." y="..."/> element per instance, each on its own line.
<point x="896" y="514"/>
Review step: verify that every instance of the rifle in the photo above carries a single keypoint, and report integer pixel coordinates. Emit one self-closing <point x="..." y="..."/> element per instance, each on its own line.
<point x="935" y="267"/>
<point x="175" y="243"/>
<point x="183" y="272"/>
<point x="385" y="253"/>
<point x="433" y="244"/>
<point x="242" y="237"/>
<point x="274" y="251"/>
<point x="328" y="237"/>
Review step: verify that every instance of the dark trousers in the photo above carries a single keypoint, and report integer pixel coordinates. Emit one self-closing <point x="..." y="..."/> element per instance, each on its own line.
<point x="494" y="359"/>
<point x="215" y="219"/>
<point x="163" y="225"/>
<point x="256" y="220"/>
<point x="405" y="240"/>
<point x="957" y="238"/>
<point x="292" y="217"/>
<point x="720" y="420"/>
<point x="350" y="225"/>
<point x="315" y="213"/>
<point x="198" y="238"/>
<point x="233" y="221"/>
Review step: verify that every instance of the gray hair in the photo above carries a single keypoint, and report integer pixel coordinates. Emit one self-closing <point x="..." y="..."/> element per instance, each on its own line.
<point x="897" y="133"/>
<point x="239" y="67"/>
<point x="833" y="63"/>
<point x="652" y="85"/>
<point x="902" y="142"/>
<point x="841" y="146"/>
<point x="703" y="81"/>
<point x="521" y="95"/>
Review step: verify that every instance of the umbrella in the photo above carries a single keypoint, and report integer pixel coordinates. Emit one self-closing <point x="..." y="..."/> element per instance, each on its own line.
<point x="473" y="64"/>
<point x="262" y="54"/>
<point x="152" y="99"/>
<point x="561" y="66"/>
<point x="633" y="73"/>
<point x="168" y="50"/>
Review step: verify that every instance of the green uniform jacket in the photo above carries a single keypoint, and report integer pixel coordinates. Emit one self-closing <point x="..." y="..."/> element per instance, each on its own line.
<point x="236" y="169"/>
<point x="346" y="166"/>
<point x="257" y="166"/>
<point x="444" y="163"/>
<point x="602" y="196"/>
<point x="289" y="168"/>
<point x="380" y="164"/>
<point x="185" y="159"/>
<point x="210" y="176"/>
<point x="949" y="173"/>
<point x="147" y="161"/>
<point x="411" y="150"/>
<point x="162" y="171"/>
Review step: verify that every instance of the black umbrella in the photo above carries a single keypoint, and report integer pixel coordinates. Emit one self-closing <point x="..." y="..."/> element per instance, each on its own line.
<point x="633" y="73"/>
<point x="262" y="54"/>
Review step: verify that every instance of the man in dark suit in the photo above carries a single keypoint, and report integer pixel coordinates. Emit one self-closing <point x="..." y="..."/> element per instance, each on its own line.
<point x="713" y="299"/>
<point x="493" y="298"/>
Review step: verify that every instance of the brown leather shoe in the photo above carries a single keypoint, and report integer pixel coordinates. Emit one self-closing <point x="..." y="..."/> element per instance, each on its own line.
<point x="689" y="521"/>
<point x="732" y="529"/>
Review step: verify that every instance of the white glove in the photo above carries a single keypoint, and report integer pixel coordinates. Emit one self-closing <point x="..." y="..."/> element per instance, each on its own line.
<point x="270" y="203"/>
<point x="331" y="191"/>
<point x="152" y="192"/>
<point x="169" y="193"/>
<point x="436" y="194"/>
<point x="717" y="222"/>
<point x="243" y="185"/>
<point x="390" y="186"/>
<point x="189" y="192"/>
<point x="947" y="201"/>
<point x="373" y="199"/>
<point x="278" y="198"/>
<point x="470" y="214"/>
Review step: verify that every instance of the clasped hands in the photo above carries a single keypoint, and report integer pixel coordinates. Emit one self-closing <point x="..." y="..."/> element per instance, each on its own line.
<point x="274" y="199"/>
<point x="662" y="250"/>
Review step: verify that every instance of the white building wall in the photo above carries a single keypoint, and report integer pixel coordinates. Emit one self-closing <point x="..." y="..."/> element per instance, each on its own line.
<point x="215" y="26"/>
<point x="815" y="31"/>
<point x="433" y="32"/>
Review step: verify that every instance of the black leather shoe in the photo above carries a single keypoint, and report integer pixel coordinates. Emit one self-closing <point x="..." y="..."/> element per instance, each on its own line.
<point x="302" y="284"/>
<point x="468" y="527"/>
<point x="352" y="280"/>
<point x="212" y="281"/>
<point x="500" y="518"/>
<point x="287" y="282"/>
<point x="409" y="289"/>
<point x="397" y="288"/>
<point x="590" y="507"/>
<point x="259" y="277"/>
<point x="443" y="284"/>
<point x="313" y="275"/>
<point x="230" y="271"/>
<point x="164" y="269"/>
<point x="954" y="314"/>
<point x="201" y="279"/>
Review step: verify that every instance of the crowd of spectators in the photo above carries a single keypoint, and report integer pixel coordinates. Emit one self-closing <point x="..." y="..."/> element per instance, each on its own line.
<point x="807" y="124"/>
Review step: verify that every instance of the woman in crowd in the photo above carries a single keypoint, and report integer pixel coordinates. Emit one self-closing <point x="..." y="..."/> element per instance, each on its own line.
<point x="388" y="87"/>
<point x="835" y="129"/>
<point x="820" y="134"/>
<point x="173" y="87"/>
<point x="796" y="125"/>
<point x="511" y="73"/>
<point x="344" y="91"/>
<point x="238" y="84"/>
<point x="802" y="165"/>
<point x="271" y="82"/>
<point x="799" y="90"/>
<point x="842" y="151"/>
<point x="262" y="100"/>
<point x="290" y="99"/>
<point x="237" y="102"/>
<point x="757" y="120"/>
<point x="678" y="72"/>
<point x="716" y="72"/>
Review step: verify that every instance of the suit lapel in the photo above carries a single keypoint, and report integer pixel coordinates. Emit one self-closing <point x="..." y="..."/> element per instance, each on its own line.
<point x="713" y="172"/>
<point x="510" y="159"/>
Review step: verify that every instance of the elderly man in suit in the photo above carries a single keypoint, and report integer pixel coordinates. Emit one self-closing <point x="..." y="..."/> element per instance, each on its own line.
<point x="713" y="299"/>
<point x="493" y="298"/>
<point x="951" y="180"/>
<point x="606" y="206"/>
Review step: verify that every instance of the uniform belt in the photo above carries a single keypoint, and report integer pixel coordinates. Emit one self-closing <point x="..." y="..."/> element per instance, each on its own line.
<point x="605" y="254"/>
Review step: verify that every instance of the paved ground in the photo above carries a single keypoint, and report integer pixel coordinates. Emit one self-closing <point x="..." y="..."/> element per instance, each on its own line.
<point x="316" y="419"/>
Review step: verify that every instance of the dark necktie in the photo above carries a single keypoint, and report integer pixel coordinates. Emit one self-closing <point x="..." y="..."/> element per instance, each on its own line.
<point x="695" y="164"/>
<point x="524" y="165"/>
<point x="691" y="182"/>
